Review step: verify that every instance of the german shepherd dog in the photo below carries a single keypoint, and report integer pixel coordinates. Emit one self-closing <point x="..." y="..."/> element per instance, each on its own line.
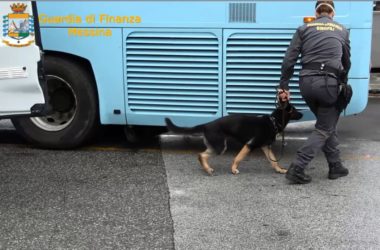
<point x="251" y="130"/>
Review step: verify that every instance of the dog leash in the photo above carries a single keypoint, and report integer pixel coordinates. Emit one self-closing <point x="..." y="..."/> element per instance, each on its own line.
<point x="277" y="104"/>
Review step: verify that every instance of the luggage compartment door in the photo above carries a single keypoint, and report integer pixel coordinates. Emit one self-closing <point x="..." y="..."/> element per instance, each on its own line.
<point x="20" y="90"/>
<point x="173" y="73"/>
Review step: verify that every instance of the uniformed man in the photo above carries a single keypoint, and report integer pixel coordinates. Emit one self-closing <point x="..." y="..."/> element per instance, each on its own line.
<point x="324" y="47"/>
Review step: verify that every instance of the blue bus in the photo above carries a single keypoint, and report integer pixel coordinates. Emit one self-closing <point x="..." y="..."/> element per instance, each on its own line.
<point x="133" y="63"/>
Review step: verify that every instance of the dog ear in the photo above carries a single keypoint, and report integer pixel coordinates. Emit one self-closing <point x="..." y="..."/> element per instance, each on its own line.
<point x="295" y="114"/>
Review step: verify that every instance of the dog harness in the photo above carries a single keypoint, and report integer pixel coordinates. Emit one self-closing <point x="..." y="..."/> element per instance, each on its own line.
<point x="274" y="123"/>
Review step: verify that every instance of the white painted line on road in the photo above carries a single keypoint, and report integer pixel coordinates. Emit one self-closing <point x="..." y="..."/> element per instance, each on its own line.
<point x="295" y="138"/>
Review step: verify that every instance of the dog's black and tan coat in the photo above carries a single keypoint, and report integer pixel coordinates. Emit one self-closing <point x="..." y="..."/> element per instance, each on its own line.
<point x="251" y="130"/>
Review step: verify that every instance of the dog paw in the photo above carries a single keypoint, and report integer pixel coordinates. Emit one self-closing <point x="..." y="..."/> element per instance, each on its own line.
<point x="282" y="170"/>
<point x="235" y="171"/>
<point x="210" y="171"/>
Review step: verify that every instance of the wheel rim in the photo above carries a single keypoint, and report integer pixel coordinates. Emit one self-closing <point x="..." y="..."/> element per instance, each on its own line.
<point x="63" y="101"/>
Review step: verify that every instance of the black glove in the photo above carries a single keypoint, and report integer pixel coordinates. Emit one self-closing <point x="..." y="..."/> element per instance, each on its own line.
<point x="344" y="96"/>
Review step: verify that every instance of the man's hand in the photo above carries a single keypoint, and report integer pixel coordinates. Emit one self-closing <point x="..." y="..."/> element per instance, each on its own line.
<point x="283" y="95"/>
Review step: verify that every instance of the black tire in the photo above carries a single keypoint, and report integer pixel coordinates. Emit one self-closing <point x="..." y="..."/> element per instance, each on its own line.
<point x="73" y="98"/>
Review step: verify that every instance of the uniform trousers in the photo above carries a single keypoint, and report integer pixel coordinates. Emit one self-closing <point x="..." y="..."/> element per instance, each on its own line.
<point x="320" y="93"/>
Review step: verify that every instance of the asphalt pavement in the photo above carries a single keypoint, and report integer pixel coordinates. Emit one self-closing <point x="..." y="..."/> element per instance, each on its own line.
<point x="109" y="195"/>
<point x="83" y="199"/>
<point x="258" y="209"/>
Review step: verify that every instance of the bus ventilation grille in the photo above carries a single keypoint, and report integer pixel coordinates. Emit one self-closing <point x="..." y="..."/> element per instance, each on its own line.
<point x="253" y="70"/>
<point x="242" y="13"/>
<point x="170" y="73"/>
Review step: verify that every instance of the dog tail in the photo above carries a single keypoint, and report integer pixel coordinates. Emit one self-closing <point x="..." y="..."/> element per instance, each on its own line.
<point x="183" y="130"/>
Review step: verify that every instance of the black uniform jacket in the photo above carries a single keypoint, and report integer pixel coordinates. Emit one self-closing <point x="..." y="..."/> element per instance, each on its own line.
<point x="321" y="41"/>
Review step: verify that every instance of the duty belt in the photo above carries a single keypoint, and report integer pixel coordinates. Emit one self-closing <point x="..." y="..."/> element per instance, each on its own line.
<point x="322" y="68"/>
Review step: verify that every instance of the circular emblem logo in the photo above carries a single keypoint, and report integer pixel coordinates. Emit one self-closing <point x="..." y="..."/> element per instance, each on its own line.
<point x="18" y="26"/>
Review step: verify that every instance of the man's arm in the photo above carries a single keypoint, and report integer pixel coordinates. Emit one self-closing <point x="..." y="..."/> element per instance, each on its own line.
<point x="290" y="60"/>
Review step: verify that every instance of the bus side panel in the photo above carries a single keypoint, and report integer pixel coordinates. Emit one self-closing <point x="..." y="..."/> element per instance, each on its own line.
<point x="173" y="73"/>
<point x="360" y="53"/>
<point x="360" y="69"/>
<point x="252" y="69"/>
<point x="189" y="14"/>
<point x="105" y="55"/>
<point x="140" y="85"/>
<point x="360" y="37"/>
<point x="361" y="14"/>
<point x="359" y="99"/>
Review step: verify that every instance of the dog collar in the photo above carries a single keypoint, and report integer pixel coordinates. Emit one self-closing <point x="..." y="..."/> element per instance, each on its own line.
<point x="274" y="123"/>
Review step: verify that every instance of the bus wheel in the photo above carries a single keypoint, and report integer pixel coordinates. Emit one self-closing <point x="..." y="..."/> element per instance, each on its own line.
<point x="73" y="100"/>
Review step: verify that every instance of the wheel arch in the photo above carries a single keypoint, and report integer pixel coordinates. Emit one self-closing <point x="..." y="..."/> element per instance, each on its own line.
<point x="108" y="79"/>
<point x="84" y="63"/>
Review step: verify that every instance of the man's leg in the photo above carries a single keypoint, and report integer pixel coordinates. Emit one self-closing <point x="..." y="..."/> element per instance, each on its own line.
<point x="315" y="93"/>
<point x="332" y="154"/>
<point x="330" y="149"/>
<point x="320" y="97"/>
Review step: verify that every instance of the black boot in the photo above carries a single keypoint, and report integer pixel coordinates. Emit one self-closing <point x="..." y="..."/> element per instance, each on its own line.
<point x="337" y="170"/>
<point x="296" y="175"/>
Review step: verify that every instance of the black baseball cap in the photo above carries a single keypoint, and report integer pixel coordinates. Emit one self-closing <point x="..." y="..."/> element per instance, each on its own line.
<point x="324" y="1"/>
